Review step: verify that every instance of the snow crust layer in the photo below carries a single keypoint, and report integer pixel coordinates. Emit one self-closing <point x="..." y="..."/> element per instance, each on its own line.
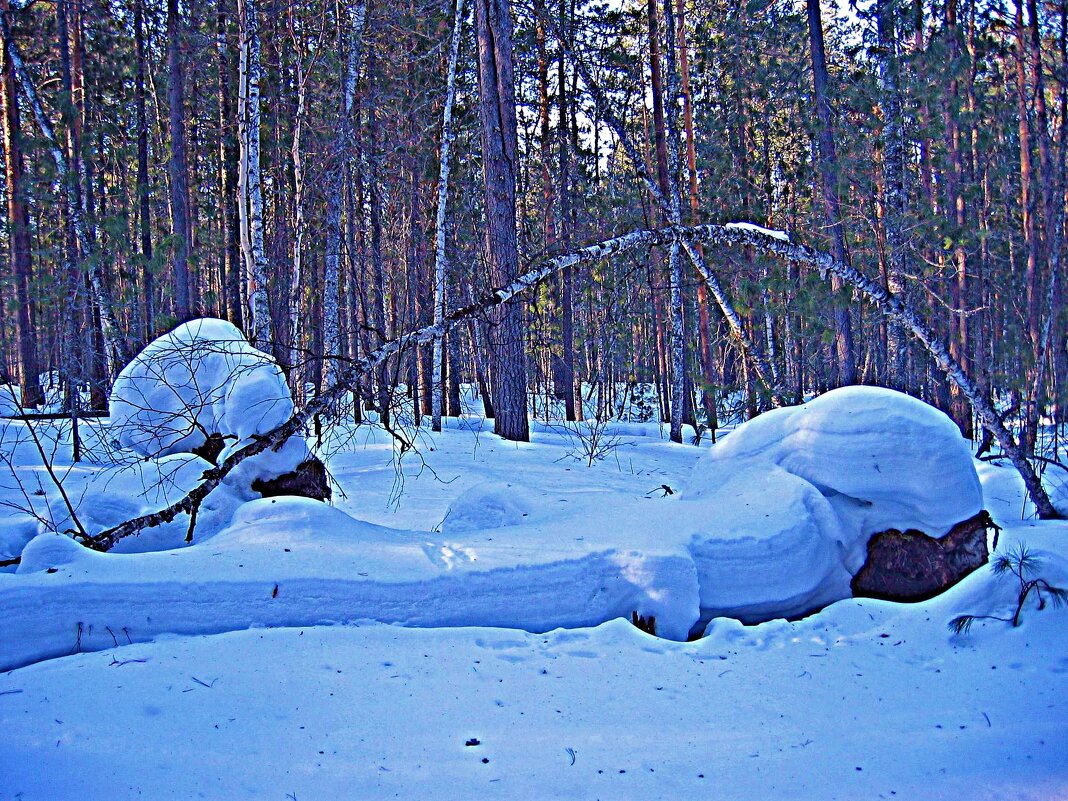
<point x="299" y="562"/>
<point x="757" y="559"/>
<point x="865" y="700"/>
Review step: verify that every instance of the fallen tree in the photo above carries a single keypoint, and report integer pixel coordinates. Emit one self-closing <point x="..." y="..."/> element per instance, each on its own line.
<point x="730" y="236"/>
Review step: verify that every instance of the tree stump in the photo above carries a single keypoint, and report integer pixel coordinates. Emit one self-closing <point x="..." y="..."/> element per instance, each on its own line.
<point x="307" y="481"/>
<point x="912" y="566"/>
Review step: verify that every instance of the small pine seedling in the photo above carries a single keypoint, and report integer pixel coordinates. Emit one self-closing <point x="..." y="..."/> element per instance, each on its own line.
<point x="1023" y="564"/>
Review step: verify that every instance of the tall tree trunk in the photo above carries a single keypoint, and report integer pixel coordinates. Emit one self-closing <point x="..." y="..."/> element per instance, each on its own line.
<point x="350" y="45"/>
<point x="373" y="193"/>
<point x="177" y="165"/>
<point x="232" y="266"/>
<point x="18" y="220"/>
<point x="565" y="125"/>
<point x="828" y="158"/>
<point x="144" y="205"/>
<point x="252" y="194"/>
<point x="704" y="325"/>
<point x="493" y="23"/>
<point x="895" y="199"/>
<point x="440" y="230"/>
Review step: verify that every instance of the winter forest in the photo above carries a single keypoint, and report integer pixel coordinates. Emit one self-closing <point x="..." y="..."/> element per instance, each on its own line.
<point x="533" y="399"/>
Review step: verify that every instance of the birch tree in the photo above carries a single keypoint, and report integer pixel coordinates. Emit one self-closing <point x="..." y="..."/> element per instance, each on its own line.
<point x="350" y="45"/>
<point x="440" y="230"/>
<point x="250" y="188"/>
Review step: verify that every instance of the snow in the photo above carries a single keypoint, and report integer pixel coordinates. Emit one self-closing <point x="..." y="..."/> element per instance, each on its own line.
<point x="782" y="236"/>
<point x="756" y="557"/>
<point x="201" y="378"/>
<point x="204" y="378"/>
<point x="480" y="590"/>
<point x="865" y="700"/>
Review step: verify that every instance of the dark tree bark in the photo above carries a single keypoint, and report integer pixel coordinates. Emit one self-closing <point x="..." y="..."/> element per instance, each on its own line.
<point x="18" y="219"/>
<point x="144" y="207"/>
<point x="230" y="257"/>
<point x="828" y="158"/>
<point x="177" y="166"/>
<point x="565" y="124"/>
<point x="493" y="25"/>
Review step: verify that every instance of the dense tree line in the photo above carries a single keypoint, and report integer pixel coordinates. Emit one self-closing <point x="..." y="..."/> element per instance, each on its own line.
<point x="281" y="166"/>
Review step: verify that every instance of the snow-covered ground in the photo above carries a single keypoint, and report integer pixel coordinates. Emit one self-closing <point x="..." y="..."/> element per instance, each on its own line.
<point x="290" y="682"/>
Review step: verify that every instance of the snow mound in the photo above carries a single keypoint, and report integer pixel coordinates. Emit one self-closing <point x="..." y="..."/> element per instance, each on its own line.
<point x="15" y="531"/>
<point x="788" y="501"/>
<point x="202" y="378"/>
<point x="768" y="544"/>
<point x="484" y="506"/>
<point x="883" y="459"/>
<point x="50" y="551"/>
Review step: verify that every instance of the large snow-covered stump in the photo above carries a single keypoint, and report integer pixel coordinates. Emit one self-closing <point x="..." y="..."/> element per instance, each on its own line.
<point x="797" y="493"/>
<point x="203" y="389"/>
<point x="911" y="566"/>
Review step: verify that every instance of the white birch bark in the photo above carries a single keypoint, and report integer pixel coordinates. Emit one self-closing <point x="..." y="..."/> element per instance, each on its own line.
<point x="244" y="240"/>
<point x="440" y="264"/>
<point x="117" y="353"/>
<point x="255" y="258"/>
<point x="297" y="278"/>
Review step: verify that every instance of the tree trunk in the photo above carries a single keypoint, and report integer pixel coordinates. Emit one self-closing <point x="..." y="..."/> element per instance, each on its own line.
<point x="177" y="166"/>
<point x="441" y="232"/>
<point x="895" y="199"/>
<point x="251" y="200"/>
<point x="828" y="162"/>
<point x="350" y="45"/>
<point x="499" y="159"/>
<point x="228" y="159"/>
<point x="704" y="325"/>
<point x="148" y="291"/>
<point x="19" y="246"/>
<point x="565" y="124"/>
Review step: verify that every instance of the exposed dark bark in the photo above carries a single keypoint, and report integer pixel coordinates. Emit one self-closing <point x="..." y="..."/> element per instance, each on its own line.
<point x="913" y="566"/>
<point x="828" y="163"/>
<point x="493" y="25"/>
